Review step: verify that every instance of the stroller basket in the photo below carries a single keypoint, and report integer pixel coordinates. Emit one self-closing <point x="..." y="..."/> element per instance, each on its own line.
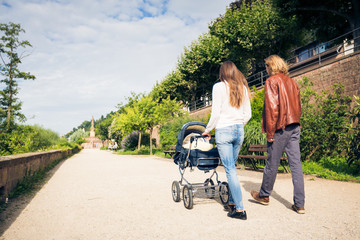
<point x="203" y="160"/>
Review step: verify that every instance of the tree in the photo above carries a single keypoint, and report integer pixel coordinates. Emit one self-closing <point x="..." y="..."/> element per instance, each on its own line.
<point x="102" y="128"/>
<point x="173" y="86"/>
<point x="155" y="114"/>
<point x="327" y="18"/>
<point x="253" y="30"/>
<point x="9" y="47"/>
<point x="144" y="115"/>
<point x="199" y="65"/>
<point x="78" y="136"/>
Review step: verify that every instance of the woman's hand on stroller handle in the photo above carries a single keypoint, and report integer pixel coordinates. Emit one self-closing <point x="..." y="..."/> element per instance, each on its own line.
<point x="206" y="135"/>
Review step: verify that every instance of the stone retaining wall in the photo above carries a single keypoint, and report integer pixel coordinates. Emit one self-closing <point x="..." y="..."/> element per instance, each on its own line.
<point x="14" y="168"/>
<point x="344" y="70"/>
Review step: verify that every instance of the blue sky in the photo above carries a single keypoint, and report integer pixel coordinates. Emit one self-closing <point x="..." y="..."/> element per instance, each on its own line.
<point x="88" y="55"/>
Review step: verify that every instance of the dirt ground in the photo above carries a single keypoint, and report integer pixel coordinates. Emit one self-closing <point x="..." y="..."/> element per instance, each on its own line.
<point x="99" y="195"/>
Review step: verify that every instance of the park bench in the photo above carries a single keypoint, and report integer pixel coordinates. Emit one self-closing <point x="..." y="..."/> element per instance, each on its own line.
<point x="258" y="153"/>
<point x="171" y="152"/>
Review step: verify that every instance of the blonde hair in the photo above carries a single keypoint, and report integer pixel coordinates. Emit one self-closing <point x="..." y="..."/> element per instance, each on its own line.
<point x="236" y="80"/>
<point x="276" y="65"/>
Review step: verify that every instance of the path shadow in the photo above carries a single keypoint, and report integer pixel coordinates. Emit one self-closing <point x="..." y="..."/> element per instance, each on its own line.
<point x="16" y="205"/>
<point x="248" y="186"/>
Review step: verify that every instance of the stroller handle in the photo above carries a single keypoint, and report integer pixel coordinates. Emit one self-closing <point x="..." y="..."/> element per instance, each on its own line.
<point x="201" y="136"/>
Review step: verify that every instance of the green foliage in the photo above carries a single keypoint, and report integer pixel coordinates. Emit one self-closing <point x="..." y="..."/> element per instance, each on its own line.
<point x="102" y="128"/>
<point x="254" y="30"/>
<point x="353" y="138"/>
<point x="323" y="121"/>
<point x="327" y="19"/>
<point x="130" y="141"/>
<point x="199" y="66"/>
<point x="23" y="139"/>
<point x="145" y="114"/>
<point x="328" y="168"/>
<point x="245" y="34"/>
<point x="170" y="130"/>
<point x="173" y="86"/>
<point x="253" y="135"/>
<point x="144" y="150"/>
<point x="78" y="136"/>
<point x="9" y="69"/>
<point x="257" y="103"/>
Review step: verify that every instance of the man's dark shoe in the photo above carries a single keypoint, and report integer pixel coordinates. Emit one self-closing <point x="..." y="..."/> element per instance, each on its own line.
<point x="238" y="215"/>
<point x="299" y="210"/>
<point x="262" y="200"/>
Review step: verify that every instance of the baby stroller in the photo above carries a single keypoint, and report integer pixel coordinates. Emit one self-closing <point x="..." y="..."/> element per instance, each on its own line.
<point x="194" y="151"/>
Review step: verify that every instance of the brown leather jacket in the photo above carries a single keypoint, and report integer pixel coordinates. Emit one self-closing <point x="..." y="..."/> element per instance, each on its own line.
<point x="282" y="104"/>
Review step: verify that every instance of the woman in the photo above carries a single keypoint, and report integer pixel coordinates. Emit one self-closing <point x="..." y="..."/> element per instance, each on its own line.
<point x="231" y="110"/>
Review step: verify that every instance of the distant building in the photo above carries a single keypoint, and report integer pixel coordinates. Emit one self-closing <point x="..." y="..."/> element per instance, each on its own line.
<point x="92" y="142"/>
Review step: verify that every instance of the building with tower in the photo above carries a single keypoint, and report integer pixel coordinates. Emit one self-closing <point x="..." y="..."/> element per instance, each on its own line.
<point x="92" y="142"/>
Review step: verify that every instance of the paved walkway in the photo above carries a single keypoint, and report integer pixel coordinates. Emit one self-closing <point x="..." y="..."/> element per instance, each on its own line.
<point x="99" y="195"/>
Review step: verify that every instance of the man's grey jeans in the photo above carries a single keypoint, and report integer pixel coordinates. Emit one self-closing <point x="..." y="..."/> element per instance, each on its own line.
<point x="288" y="140"/>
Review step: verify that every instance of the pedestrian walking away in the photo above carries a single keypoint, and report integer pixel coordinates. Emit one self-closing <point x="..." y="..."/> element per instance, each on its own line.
<point x="231" y="110"/>
<point x="281" y="123"/>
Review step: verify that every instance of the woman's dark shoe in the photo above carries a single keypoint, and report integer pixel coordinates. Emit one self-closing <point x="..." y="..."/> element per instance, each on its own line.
<point x="239" y="215"/>
<point x="229" y="207"/>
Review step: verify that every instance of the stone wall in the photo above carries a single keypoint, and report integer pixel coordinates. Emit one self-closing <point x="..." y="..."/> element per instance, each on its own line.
<point x="14" y="168"/>
<point x="345" y="70"/>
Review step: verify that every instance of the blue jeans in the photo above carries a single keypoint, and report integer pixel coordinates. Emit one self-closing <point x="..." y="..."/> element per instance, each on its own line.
<point x="228" y="141"/>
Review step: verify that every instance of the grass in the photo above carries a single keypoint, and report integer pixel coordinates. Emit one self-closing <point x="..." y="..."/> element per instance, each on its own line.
<point x="312" y="168"/>
<point x="142" y="151"/>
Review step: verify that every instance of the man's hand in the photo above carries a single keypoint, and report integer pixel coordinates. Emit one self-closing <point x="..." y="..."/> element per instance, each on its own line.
<point x="271" y="140"/>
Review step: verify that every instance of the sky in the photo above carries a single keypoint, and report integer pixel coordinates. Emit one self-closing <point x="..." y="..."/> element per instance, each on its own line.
<point x="89" y="55"/>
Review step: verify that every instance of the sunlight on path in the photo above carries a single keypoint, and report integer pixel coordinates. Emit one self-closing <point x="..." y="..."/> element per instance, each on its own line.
<point x="100" y="195"/>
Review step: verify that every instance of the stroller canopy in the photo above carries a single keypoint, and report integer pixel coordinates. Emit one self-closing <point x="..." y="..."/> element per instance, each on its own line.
<point x="187" y="128"/>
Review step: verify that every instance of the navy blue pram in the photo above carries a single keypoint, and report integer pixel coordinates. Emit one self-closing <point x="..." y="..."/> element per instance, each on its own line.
<point x="193" y="151"/>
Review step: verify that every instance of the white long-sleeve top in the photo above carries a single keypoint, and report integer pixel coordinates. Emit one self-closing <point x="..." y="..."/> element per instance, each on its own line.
<point x="222" y="113"/>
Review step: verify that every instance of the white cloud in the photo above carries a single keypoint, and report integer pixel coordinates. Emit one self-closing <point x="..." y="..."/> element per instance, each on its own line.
<point x="88" y="56"/>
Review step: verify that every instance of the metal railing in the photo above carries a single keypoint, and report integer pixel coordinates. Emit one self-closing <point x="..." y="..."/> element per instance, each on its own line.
<point x="340" y="46"/>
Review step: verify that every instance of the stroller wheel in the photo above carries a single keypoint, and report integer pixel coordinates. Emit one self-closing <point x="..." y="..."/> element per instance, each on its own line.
<point x="209" y="191"/>
<point x="224" y="193"/>
<point x="175" y="190"/>
<point x="188" y="197"/>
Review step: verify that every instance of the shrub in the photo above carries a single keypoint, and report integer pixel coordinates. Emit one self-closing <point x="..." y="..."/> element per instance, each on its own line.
<point x="25" y="138"/>
<point x="323" y="121"/>
<point x="170" y="130"/>
<point x="353" y="138"/>
<point x="78" y="136"/>
<point x="257" y="104"/>
<point x="130" y="141"/>
<point x="253" y="135"/>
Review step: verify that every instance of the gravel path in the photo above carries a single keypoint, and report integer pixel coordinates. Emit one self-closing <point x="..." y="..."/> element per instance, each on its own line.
<point x="99" y="195"/>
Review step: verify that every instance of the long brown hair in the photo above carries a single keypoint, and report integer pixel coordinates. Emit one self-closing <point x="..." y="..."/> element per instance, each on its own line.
<point x="236" y="80"/>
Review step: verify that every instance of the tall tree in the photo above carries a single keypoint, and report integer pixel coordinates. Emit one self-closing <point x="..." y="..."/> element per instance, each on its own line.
<point x="252" y="30"/>
<point x="9" y="69"/>
<point x="327" y="18"/>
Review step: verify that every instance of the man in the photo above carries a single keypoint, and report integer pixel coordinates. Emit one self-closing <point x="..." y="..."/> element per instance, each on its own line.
<point x="281" y="123"/>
